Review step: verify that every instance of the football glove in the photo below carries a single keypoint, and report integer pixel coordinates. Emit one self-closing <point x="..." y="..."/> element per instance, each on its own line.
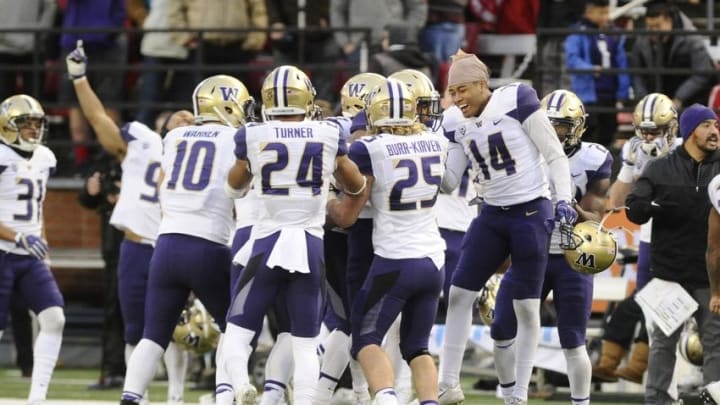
<point x="564" y="212"/>
<point x="76" y="61"/>
<point x="32" y="244"/>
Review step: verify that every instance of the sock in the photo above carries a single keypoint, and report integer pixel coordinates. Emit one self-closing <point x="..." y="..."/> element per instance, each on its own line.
<point x="359" y="383"/>
<point x="128" y="352"/>
<point x="403" y="377"/>
<point x="579" y="371"/>
<point x="279" y="364"/>
<point x="334" y="362"/>
<point x="527" y="312"/>
<point x="46" y="351"/>
<point x="457" y="329"/>
<point x="139" y="373"/>
<point x="236" y="350"/>
<point x="273" y="392"/>
<point x="386" y="396"/>
<point x="307" y="369"/>
<point x="176" y="361"/>
<point x="504" y="355"/>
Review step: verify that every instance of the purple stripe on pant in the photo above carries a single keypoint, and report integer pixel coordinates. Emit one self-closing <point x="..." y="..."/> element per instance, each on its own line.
<point x="410" y="286"/>
<point x="298" y="295"/>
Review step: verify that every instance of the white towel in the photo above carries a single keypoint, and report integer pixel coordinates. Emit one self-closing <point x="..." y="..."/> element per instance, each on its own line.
<point x="290" y="251"/>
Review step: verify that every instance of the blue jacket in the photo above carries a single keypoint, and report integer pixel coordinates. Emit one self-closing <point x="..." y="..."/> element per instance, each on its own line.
<point x="578" y="55"/>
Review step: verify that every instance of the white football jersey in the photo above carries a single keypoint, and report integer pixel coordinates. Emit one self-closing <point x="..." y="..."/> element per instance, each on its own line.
<point x="452" y="210"/>
<point x="246" y="210"/>
<point x="635" y="158"/>
<point x="634" y="161"/>
<point x="714" y="192"/>
<point x="23" y="185"/>
<point x="509" y="165"/>
<point x="589" y="164"/>
<point x="195" y="162"/>
<point x="407" y="171"/>
<point x="138" y="207"/>
<point x="291" y="163"/>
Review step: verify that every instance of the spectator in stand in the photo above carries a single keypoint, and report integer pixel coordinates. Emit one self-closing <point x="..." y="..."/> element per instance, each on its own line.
<point x="518" y="16"/>
<point x="672" y="51"/>
<point x="109" y="48"/>
<point x="444" y="31"/>
<point x="401" y="51"/>
<point x="220" y="48"/>
<point x="555" y="14"/>
<point x="318" y="47"/>
<point x="376" y="14"/>
<point x="598" y="51"/>
<point x="158" y="48"/>
<point x="18" y="48"/>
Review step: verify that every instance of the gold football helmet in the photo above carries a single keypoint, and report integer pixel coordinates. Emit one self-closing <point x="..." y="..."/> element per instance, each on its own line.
<point x="487" y="297"/>
<point x="288" y="91"/>
<point x="391" y="105"/>
<point x="196" y="331"/>
<point x="222" y="98"/>
<point x="428" y="99"/>
<point x="23" y="124"/>
<point x="691" y="348"/>
<point x="589" y="248"/>
<point x="567" y="115"/>
<point x="655" y="115"/>
<point x="354" y="92"/>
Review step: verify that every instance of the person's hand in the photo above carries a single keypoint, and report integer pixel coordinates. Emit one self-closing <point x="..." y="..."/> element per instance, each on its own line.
<point x="76" y="61"/>
<point x="564" y="212"/>
<point x="34" y="245"/>
<point x="715" y="304"/>
<point x="93" y="184"/>
<point x="277" y="31"/>
<point x="348" y="48"/>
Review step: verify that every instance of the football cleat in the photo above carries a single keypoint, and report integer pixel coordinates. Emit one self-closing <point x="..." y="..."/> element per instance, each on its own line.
<point x="450" y="395"/>
<point x="711" y="393"/>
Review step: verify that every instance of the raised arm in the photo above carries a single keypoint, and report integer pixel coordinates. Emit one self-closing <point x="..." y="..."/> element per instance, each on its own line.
<point x="105" y="128"/>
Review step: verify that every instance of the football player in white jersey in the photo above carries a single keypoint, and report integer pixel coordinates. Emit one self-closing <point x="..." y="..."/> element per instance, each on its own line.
<point x="25" y="166"/>
<point x="655" y="121"/>
<point x="508" y="140"/>
<point x="353" y="260"/>
<point x="404" y="164"/>
<point x="590" y="166"/>
<point x="137" y="211"/>
<point x="288" y="159"/>
<point x="711" y="393"/>
<point x="192" y="251"/>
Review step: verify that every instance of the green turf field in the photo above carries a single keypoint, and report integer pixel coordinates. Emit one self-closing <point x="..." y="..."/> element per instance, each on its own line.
<point x="68" y="384"/>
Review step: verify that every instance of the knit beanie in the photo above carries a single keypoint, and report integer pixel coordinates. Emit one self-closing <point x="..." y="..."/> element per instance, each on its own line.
<point x="692" y="117"/>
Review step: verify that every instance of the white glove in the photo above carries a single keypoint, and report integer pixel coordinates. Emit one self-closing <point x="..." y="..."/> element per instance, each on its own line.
<point x="76" y="61"/>
<point x="34" y="245"/>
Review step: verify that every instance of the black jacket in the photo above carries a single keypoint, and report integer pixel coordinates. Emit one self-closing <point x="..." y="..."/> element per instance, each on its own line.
<point x="679" y="231"/>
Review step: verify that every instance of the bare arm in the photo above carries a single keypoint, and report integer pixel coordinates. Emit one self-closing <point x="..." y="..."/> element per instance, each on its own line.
<point x="592" y="205"/>
<point x="106" y="129"/>
<point x="712" y="257"/>
<point x="7" y="233"/>
<point x="239" y="175"/>
<point x="618" y="193"/>
<point x="357" y="187"/>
